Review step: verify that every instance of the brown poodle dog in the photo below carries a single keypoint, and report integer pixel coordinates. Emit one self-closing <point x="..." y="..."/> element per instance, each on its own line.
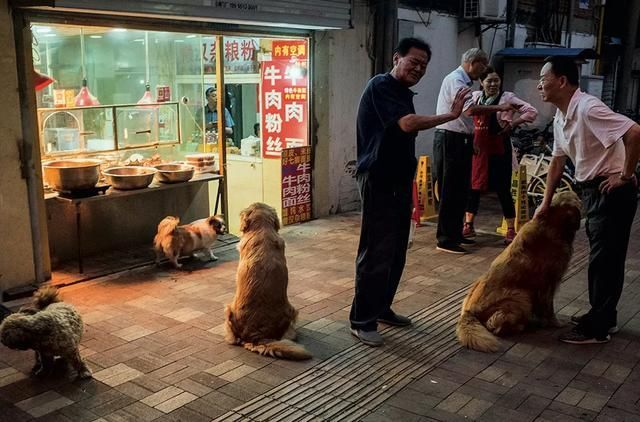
<point x="260" y="317"/>
<point x="51" y="328"/>
<point x="522" y="280"/>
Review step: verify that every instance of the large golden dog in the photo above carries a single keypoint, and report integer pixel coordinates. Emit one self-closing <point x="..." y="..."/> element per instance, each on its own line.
<point x="260" y="317"/>
<point x="522" y="280"/>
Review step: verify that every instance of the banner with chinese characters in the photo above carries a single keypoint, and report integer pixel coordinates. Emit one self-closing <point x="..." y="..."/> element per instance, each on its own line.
<point x="287" y="49"/>
<point x="240" y="55"/>
<point x="296" y="185"/>
<point x="284" y="97"/>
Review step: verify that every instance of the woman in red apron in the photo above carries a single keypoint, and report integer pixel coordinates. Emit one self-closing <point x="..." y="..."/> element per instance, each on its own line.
<point x="493" y="116"/>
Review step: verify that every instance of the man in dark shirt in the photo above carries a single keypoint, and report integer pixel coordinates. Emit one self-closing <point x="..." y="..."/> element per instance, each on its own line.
<point x="386" y="130"/>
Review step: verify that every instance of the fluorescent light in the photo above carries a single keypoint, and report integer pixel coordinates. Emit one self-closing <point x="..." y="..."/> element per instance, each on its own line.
<point x="178" y="40"/>
<point x="49" y="35"/>
<point x="119" y="30"/>
<point x="139" y="40"/>
<point x="43" y="29"/>
<point x="95" y="36"/>
<point x="191" y="36"/>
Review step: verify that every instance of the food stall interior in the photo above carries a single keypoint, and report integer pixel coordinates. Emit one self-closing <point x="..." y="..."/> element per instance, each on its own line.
<point x="136" y="98"/>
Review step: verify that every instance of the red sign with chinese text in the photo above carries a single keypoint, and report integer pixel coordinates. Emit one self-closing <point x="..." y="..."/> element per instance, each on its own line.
<point x="284" y="97"/>
<point x="296" y="185"/>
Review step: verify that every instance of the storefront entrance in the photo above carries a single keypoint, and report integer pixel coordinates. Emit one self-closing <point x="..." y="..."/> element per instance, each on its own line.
<point x="138" y="98"/>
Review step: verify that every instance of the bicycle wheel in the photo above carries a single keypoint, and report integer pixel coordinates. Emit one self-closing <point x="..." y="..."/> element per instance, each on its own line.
<point x="537" y="187"/>
<point x="535" y="192"/>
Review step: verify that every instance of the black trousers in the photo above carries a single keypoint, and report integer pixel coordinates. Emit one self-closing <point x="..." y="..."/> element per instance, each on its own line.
<point x="452" y="154"/>
<point x="504" y="195"/>
<point x="608" y="226"/>
<point x="384" y="234"/>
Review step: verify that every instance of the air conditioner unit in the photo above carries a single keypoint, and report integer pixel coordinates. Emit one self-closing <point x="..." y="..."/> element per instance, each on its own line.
<point x="481" y="9"/>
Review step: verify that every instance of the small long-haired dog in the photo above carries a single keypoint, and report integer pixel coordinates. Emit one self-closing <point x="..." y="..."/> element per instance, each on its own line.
<point x="51" y="328"/>
<point x="174" y="241"/>
<point x="260" y="317"/>
<point x="522" y="280"/>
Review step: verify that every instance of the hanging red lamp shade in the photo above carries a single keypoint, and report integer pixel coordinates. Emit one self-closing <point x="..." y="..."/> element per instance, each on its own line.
<point x="84" y="97"/>
<point x="146" y="97"/>
<point x="41" y="81"/>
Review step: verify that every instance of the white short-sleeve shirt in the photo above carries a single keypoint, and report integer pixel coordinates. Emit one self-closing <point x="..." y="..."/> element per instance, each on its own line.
<point x="590" y="135"/>
<point x="451" y="83"/>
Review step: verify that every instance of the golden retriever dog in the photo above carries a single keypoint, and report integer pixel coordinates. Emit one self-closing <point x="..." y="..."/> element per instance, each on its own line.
<point x="260" y="317"/>
<point x="174" y="241"/>
<point x="521" y="282"/>
<point x="51" y="328"/>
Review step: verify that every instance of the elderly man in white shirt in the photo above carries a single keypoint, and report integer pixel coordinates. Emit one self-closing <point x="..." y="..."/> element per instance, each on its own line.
<point x="452" y="152"/>
<point x="604" y="147"/>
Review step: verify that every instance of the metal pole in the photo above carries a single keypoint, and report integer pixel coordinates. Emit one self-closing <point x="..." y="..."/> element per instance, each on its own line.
<point x="512" y="11"/>
<point x="570" y="23"/>
<point x="599" y="41"/>
<point x="222" y="124"/>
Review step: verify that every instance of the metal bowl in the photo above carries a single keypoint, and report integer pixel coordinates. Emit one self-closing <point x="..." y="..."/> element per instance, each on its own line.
<point x="129" y="177"/>
<point x="72" y="174"/>
<point x="174" y="173"/>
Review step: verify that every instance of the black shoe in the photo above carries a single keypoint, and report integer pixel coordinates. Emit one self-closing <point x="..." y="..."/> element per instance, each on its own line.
<point x="576" y="336"/>
<point x="370" y="338"/>
<point x="395" y="320"/>
<point x="454" y="249"/>
<point x="577" y="319"/>
<point x="465" y="241"/>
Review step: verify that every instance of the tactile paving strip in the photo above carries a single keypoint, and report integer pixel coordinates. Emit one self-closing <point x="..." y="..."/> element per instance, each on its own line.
<point x="354" y="382"/>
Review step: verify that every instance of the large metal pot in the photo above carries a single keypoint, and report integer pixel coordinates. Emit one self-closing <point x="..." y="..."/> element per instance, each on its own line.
<point x="129" y="177"/>
<point x="72" y="174"/>
<point x="174" y="173"/>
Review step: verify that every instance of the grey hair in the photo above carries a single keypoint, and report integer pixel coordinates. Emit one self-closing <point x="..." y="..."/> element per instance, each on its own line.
<point x="472" y="55"/>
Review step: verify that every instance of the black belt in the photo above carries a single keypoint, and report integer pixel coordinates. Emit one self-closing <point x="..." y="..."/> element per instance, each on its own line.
<point x="592" y="184"/>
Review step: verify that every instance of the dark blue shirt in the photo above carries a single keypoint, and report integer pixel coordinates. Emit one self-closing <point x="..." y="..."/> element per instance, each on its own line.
<point x="383" y="148"/>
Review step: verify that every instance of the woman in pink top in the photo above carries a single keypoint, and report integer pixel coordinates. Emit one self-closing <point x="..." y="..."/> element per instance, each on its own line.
<point x="493" y="112"/>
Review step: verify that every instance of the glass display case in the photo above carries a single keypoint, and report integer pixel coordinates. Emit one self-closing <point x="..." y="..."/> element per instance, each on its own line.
<point x="77" y="130"/>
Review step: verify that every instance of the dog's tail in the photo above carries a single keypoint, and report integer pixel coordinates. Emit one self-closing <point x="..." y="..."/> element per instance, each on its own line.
<point x="168" y="225"/>
<point x="474" y="335"/>
<point x="45" y="296"/>
<point x="283" y="349"/>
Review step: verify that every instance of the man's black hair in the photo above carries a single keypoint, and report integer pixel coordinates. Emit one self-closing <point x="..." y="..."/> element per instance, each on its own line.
<point x="564" y="66"/>
<point x="407" y="44"/>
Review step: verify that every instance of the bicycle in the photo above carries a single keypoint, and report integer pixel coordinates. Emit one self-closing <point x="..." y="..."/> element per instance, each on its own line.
<point x="533" y="151"/>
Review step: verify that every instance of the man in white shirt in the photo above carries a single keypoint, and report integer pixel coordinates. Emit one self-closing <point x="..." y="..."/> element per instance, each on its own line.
<point x="452" y="152"/>
<point x="604" y="147"/>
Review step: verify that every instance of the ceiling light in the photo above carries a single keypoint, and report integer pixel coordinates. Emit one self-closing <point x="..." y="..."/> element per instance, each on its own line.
<point x="95" y="36"/>
<point x="43" y="29"/>
<point x="191" y="36"/>
<point x="119" y="30"/>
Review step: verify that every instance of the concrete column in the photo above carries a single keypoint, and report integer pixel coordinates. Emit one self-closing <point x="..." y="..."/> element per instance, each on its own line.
<point x="16" y="259"/>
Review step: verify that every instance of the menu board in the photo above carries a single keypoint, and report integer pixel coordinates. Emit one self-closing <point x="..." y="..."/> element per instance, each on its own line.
<point x="296" y="185"/>
<point x="284" y="97"/>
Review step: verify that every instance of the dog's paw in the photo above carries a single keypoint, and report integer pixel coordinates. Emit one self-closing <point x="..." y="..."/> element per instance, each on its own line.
<point x="41" y="372"/>
<point x="84" y="374"/>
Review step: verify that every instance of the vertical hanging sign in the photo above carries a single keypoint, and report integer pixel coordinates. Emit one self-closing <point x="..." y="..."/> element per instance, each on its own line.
<point x="284" y="97"/>
<point x="296" y="185"/>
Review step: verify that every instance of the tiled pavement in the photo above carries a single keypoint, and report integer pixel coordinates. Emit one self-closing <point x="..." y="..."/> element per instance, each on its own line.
<point x="154" y="342"/>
